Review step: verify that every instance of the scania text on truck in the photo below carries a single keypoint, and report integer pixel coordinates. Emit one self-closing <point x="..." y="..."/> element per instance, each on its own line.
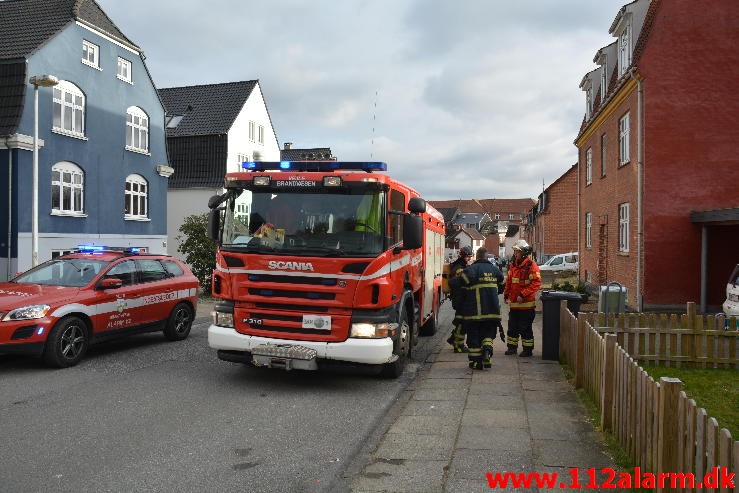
<point x="322" y="262"/>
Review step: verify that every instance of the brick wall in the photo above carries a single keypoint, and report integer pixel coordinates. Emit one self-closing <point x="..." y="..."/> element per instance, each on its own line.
<point x="556" y="227"/>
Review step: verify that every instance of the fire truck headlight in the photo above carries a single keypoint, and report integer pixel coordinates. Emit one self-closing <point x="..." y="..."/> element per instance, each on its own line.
<point x="222" y="319"/>
<point x="27" y="313"/>
<point x="261" y="181"/>
<point x="331" y="181"/>
<point x="373" y="331"/>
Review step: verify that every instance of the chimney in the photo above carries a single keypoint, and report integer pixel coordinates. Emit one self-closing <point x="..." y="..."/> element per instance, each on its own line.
<point x="288" y="146"/>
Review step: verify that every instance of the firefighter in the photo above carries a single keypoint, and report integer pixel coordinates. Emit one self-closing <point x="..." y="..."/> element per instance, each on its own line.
<point x="480" y="307"/>
<point x="522" y="283"/>
<point x="456" y="339"/>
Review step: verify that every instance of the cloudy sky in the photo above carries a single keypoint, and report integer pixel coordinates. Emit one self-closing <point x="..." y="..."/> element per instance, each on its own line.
<point x="462" y="98"/>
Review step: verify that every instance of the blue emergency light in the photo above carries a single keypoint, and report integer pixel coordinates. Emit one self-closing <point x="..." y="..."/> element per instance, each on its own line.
<point x="367" y="166"/>
<point x="102" y="248"/>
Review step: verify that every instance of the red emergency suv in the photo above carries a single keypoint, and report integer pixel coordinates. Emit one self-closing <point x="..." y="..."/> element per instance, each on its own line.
<point x="59" y="308"/>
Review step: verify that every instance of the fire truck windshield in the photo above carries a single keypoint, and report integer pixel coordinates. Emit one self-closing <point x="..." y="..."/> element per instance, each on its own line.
<point x="308" y="224"/>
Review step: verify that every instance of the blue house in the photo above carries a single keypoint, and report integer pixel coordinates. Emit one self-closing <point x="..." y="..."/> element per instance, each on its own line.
<point x="102" y="157"/>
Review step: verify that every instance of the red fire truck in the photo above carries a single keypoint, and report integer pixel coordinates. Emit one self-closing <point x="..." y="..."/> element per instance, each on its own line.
<point x="321" y="262"/>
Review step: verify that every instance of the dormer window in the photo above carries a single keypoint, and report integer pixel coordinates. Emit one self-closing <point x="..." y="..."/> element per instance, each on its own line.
<point x="624" y="48"/>
<point x="588" y="103"/>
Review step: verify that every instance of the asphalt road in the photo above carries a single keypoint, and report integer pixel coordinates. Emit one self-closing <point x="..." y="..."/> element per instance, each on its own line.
<point x="144" y="414"/>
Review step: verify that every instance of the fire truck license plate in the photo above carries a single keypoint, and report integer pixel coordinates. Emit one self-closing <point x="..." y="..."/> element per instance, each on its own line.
<point x="318" y="322"/>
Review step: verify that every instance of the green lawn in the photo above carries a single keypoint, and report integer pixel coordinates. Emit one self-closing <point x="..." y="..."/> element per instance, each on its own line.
<point x="716" y="390"/>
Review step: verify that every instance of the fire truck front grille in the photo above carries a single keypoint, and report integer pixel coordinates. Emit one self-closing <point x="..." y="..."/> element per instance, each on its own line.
<point x="319" y="281"/>
<point x="279" y="293"/>
<point x="292" y="308"/>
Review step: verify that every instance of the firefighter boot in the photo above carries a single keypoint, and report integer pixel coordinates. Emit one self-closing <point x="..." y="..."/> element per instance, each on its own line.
<point x="511" y="350"/>
<point x="528" y="348"/>
<point x="487" y="357"/>
<point x="526" y="353"/>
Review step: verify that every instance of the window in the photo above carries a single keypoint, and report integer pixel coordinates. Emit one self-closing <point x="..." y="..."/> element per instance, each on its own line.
<point x="125" y="271"/>
<point x="151" y="270"/>
<point x="623" y="139"/>
<point x="397" y="203"/>
<point x="242" y="157"/>
<point x="623" y="227"/>
<point x="588" y="229"/>
<point x="137" y="130"/>
<point x="603" y="81"/>
<point x="497" y="216"/>
<point x="173" y="121"/>
<point x="603" y="155"/>
<point x="124" y="69"/>
<point x="67" y="187"/>
<point x="173" y="268"/>
<point x="136" y="197"/>
<point x="252" y="131"/>
<point x="261" y="134"/>
<point x="59" y="253"/>
<point x="589" y="166"/>
<point x="90" y="54"/>
<point x="624" y="50"/>
<point x="69" y="109"/>
<point x="588" y="103"/>
<point x="511" y="216"/>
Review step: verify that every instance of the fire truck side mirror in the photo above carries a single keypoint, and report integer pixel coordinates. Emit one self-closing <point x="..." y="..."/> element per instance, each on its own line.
<point x="214" y="201"/>
<point x="412" y="232"/>
<point x="214" y="224"/>
<point x="417" y="205"/>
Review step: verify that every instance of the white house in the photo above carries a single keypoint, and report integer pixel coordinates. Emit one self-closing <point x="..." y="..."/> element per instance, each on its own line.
<point x="211" y="129"/>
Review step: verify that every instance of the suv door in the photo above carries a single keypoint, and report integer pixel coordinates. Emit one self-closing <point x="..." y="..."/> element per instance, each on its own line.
<point x="118" y="308"/>
<point x="157" y="292"/>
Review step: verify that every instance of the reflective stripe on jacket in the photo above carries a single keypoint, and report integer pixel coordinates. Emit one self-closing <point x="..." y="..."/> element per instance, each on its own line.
<point x="523" y="280"/>
<point x="479" y="285"/>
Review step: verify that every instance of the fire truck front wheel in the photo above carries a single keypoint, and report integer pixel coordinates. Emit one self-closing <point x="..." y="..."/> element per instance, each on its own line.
<point x="401" y="348"/>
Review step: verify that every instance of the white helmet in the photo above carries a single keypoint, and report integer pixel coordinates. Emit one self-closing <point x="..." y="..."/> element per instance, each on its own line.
<point x="522" y="246"/>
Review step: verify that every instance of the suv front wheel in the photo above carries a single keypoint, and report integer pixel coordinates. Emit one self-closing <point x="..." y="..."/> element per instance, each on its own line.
<point x="67" y="343"/>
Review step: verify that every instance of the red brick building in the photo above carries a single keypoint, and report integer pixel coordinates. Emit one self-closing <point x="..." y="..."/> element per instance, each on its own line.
<point x="659" y="154"/>
<point x="551" y="225"/>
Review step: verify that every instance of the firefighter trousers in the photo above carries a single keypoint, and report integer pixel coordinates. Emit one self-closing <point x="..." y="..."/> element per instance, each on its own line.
<point x="456" y="339"/>
<point x="519" y="327"/>
<point x="480" y="337"/>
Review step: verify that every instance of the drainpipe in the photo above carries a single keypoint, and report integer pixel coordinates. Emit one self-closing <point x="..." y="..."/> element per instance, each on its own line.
<point x="10" y="203"/>
<point x="639" y="186"/>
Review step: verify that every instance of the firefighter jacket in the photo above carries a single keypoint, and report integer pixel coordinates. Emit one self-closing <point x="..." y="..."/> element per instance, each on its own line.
<point x="523" y="280"/>
<point x="455" y="269"/>
<point x="479" y="284"/>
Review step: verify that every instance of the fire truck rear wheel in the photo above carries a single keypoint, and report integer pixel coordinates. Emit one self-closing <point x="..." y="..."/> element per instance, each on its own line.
<point x="67" y="343"/>
<point x="179" y="323"/>
<point x="401" y="349"/>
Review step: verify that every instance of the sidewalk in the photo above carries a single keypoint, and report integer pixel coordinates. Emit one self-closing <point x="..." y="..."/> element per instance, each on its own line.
<point x="520" y="416"/>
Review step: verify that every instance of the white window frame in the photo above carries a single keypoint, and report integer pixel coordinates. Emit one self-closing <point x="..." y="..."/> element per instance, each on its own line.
<point x="497" y="216"/>
<point x="72" y="179"/>
<point x="123" y="70"/>
<point x="252" y="131"/>
<point x="623" y="227"/>
<point x="588" y="229"/>
<point x="137" y="130"/>
<point x="90" y="54"/>
<point x="511" y="216"/>
<point x="588" y="103"/>
<point x="136" y="198"/>
<point x="69" y="102"/>
<point x="624" y="49"/>
<point x="603" y="81"/>
<point x="623" y="140"/>
<point x="589" y="166"/>
<point x="603" y="157"/>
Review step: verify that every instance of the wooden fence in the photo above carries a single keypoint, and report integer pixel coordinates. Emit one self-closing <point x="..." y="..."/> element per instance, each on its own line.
<point x="656" y="424"/>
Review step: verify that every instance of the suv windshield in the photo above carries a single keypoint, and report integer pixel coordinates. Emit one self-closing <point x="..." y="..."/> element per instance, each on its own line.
<point x="75" y="272"/>
<point x="313" y="224"/>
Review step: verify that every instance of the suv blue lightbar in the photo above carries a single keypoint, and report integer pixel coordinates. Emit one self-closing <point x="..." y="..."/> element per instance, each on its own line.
<point x="313" y="166"/>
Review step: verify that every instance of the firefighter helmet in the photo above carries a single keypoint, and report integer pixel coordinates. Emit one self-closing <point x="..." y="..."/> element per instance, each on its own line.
<point x="523" y="247"/>
<point x="465" y="251"/>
